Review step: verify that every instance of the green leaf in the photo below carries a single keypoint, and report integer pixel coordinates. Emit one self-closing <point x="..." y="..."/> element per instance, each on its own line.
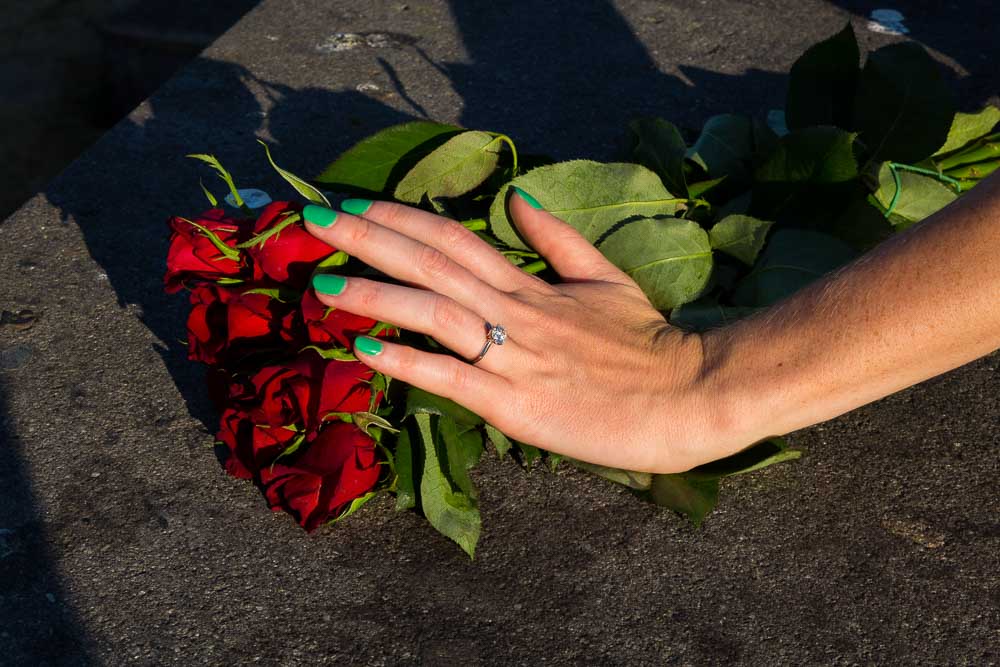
<point x="529" y="454"/>
<point x="695" y="493"/>
<point x="966" y="127"/>
<point x="919" y="196"/>
<point x="453" y="513"/>
<point x="227" y="252"/>
<point x="629" y="478"/>
<point x="365" y="420"/>
<point x="822" y="83"/>
<point x="726" y="147"/>
<point x="792" y="259"/>
<point x="355" y="505"/>
<point x="659" y="146"/>
<point x="499" y="440"/>
<point x="811" y="155"/>
<point x="302" y="187"/>
<point x="861" y="224"/>
<point x="376" y="164"/>
<point x="670" y="259"/>
<point x="554" y="461"/>
<point x="759" y="455"/>
<point x="419" y="401"/>
<point x="696" y="190"/>
<point x="903" y="108"/>
<point x="226" y="177"/>
<point x="211" y="198"/>
<point x="281" y="294"/>
<point x="406" y="473"/>
<point x="335" y="353"/>
<point x="705" y="314"/>
<point x="592" y="197"/>
<point x="456" y="167"/>
<point x="739" y="236"/>
<point x="692" y="497"/>
<point x="463" y="447"/>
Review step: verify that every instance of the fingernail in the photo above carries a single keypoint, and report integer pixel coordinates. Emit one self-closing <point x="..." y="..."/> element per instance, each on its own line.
<point x="369" y="346"/>
<point x="327" y="283"/>
<point x="319" y="215"/>
<point x="532" y="202"/>
<point x="356" y="206"/>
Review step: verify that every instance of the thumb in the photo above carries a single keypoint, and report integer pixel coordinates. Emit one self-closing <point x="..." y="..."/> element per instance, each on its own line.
<point x="566" y="250"/>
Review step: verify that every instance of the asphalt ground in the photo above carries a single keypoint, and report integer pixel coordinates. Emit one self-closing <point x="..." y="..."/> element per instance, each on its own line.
<point x="122" y="542"/>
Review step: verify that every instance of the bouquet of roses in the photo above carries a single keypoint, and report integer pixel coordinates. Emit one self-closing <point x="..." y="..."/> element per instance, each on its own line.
<point x="713" y="231"/>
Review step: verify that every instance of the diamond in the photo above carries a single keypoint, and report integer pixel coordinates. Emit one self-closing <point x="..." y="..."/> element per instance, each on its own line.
<point x="498" y="334"/>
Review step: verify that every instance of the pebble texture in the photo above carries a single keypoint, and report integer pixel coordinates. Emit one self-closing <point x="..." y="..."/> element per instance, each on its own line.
<point x="122" y="542"/>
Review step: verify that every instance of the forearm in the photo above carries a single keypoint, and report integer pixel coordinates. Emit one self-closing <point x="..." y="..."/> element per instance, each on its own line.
<point x="920" y="304"/>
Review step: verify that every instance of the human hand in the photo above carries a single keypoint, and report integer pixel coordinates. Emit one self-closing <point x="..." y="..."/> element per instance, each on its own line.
<point x="590" y="369"/>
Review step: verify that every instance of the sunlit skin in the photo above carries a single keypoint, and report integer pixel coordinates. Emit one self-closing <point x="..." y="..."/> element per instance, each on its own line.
<point x="591" y="370"/>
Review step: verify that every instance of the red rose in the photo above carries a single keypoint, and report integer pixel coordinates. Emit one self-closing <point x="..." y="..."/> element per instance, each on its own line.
<point x="341" y="464"/>
<point x="251" y="446"/>
<point x="290" y="254"/>
<point x="194" y="256"/>
<point x="306" y="389"/>
<point x="326" y="326"/>
<point x="227" y="323"/>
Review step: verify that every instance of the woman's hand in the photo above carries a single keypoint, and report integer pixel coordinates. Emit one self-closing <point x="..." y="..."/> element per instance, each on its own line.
<point x="589" y="369"/>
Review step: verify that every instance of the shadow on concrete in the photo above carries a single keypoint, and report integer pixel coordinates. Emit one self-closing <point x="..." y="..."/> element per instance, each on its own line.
<point x="554" y="83"/>
<point x="37" y="625"/>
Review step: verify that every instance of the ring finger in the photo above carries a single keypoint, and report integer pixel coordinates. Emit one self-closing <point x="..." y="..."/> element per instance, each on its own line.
<point x="451" y="324"/>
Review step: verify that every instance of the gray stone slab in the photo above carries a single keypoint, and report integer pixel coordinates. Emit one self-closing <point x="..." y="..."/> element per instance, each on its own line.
<point x="122" y="542"/>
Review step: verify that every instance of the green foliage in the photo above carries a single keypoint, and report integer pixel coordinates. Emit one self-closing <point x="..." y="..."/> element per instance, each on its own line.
<point x="301" y="186"/>
<point x="967" y="127"/>
<point x="591" y="196"/>
<point x="822" y="83"/>
<point x="658" y="145"/>
<point x="695" y="493"/>
<point x="711" y="232"/>
<point x="909" y="196"/>
<point x="376" y="164"/>
<point x="792" y="259"/>
<point x="740" y="236"/>
<point x="669" y="258"/>
<point x="903" y="107"/>
<point x="454" y="168"/>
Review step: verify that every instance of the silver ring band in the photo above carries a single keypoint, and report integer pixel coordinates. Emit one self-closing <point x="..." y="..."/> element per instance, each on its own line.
<point x="495" y="334"/>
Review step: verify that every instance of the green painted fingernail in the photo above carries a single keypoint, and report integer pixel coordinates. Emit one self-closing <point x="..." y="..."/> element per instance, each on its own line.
<point x="366" y="345"/>
<point x="327" y="283"/>
<point x="532" y="202"/>
<point x="319" y="215"/>
<point x="356" y="206"/>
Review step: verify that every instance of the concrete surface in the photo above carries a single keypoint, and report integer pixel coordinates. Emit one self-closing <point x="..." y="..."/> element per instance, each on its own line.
<point x="122" y="542"/>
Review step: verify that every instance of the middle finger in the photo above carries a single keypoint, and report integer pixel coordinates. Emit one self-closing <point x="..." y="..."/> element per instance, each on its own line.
<point x="409" y="260"/>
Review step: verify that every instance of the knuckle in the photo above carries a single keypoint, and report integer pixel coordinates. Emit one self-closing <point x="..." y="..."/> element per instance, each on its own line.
<point x="446" y="314"/>
<point x="456" y="375"/>
<point x="432" y="262"/>
<point x="359" y="232"/>
<point x="454" y="235"/>
<point x="370" y="296"/>
<point x="392" y="214"/>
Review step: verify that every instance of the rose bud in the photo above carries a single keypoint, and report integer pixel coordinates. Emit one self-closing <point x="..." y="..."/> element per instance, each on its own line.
<point x="306" y="389"/>
<point x="194" y="255"/>
<point x="227" y="324"/>
<point x="249" y="446"/>
<point x="290" y="254"/>
<point x="331" y="326"/>
<point x="339" y="465"/>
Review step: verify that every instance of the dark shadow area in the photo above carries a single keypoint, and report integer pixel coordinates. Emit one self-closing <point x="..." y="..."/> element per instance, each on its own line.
<point x="37" y="625"/>
<point x="556" y="84"/>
